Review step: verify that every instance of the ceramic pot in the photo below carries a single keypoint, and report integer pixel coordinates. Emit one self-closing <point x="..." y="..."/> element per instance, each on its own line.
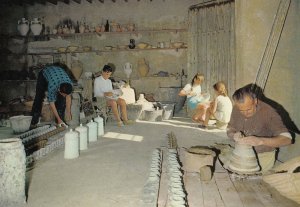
<point x="81" y="28"/>
<point x="36" y="26"/>
<point x="76" y="69"/>
<point x="71" y="145"/>
<point x="23" y="26"/>
<point x="243" y="159"/>
<point x="13" y="168"/>
<point x="127" y="69"/>
<point x="143" y="67"/>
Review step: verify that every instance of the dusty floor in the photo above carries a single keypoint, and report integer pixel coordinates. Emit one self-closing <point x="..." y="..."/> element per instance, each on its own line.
<point x="113" y="170"/>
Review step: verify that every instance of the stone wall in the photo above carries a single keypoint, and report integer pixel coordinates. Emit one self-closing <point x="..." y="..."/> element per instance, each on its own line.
<point x="254" y="22"/>
<point x="146" y="15"/>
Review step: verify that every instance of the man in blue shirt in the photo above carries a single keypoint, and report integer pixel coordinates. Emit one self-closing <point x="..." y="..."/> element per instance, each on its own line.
<point x="54" y="79"/>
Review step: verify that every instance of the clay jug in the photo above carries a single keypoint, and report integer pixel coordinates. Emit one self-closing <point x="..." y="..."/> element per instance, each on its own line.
<point x="76" y="69"/>
<point x="127" y="69"/>
<point x="23" y="26"/>
<point x="36" y="26"/>
<point x="143" y="67"/>
<point x="243" y="159"/>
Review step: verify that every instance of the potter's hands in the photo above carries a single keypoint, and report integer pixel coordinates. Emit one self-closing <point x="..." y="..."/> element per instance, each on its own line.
<point x="250" y="140"/>
<point x="238" y="136"/>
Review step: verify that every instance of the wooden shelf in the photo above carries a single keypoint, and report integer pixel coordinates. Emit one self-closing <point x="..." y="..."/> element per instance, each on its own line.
<point x="106" y="51"/>
<point x="44" y="37"/>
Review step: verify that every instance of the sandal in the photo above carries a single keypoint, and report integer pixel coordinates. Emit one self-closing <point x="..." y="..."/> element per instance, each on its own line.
<point x="201" y="126"/>
<point x="128" y="122"/>
<point x="120" y="124"/>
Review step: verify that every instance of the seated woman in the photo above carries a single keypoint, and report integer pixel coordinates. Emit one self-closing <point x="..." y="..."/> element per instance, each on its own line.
<point x="103" y="88"/>
<point x="220" y="108"/>
<point x="193" y="91"/>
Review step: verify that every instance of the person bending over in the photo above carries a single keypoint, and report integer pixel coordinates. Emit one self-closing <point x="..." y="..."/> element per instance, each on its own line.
<point x="54" y="79"/>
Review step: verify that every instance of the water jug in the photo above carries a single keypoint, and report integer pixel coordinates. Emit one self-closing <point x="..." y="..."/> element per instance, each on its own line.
<point x="71" y="145"/>
<point x="23" y="26"/>
<point x="36" y="26"/>
<point x="127" y="69"/>
<point x="83" y="136"/>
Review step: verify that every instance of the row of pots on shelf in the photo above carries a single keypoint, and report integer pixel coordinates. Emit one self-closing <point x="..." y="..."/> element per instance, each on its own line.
<point x="35" y="26"/>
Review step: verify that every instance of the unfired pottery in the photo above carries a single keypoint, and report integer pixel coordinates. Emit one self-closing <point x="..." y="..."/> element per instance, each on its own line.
<point x="243" y="159"/>
<point x="71" y="145"/>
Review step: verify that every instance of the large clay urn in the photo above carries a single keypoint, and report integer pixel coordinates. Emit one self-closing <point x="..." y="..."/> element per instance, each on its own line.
<point x="23" y="26"/>
<point x="36" y="26"/>
<point x="143" y="67"/>
<point x="76" y="69"/>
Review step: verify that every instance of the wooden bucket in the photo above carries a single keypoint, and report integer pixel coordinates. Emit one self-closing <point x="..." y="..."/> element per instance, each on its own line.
<point x="286" y="179"/>
<point x="12" y="172"/>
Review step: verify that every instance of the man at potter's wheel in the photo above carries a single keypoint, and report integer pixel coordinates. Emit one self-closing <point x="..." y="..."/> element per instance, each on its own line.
<point x="54" y="79"/>
<point x="256" y="123"/>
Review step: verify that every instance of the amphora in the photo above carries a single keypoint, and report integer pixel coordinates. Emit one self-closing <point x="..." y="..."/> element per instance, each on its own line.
<point x="143" y="67"/>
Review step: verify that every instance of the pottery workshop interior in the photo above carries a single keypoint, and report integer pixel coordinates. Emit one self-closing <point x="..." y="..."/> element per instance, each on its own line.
<point x="159" y="157"/>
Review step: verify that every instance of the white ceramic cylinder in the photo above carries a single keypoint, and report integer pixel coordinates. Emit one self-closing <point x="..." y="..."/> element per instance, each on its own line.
<point x="99" y="121"/>
<point x="93" y="130"/>
<point x="83" y="136"/>
<point x="71" y="145"/>
<point x="12" y="172"/>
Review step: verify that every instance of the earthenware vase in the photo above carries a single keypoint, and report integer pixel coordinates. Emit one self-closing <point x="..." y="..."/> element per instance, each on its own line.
<point x="143" y="67"/>
<point x="36" y="26"/>
<point x="76" y="68"/>
<point x="127" y="69"/>
<point x="23" y="26"/>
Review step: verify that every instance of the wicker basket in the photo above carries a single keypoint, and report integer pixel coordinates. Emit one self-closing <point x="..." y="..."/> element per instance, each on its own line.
<point x="286" y="179"/>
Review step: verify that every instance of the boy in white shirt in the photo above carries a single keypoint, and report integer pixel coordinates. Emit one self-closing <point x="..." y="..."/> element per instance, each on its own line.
<point x="103" y="88"/>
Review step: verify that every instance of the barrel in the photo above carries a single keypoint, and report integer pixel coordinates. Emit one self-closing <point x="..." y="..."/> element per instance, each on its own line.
<point x="12" y="172"/>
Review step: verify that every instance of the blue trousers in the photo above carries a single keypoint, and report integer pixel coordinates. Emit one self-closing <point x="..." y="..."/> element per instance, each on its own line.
<point x="41" y="88"/>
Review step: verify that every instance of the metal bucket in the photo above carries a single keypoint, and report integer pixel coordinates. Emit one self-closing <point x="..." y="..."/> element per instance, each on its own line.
<point x="168" y="109"/>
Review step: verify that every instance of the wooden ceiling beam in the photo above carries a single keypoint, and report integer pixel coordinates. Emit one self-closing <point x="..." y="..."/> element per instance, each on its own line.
<point x="28" y="2"/>
<point x="65" y="1"/>
<point x="41" y="1"/>
<point x="53" y="2"/>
